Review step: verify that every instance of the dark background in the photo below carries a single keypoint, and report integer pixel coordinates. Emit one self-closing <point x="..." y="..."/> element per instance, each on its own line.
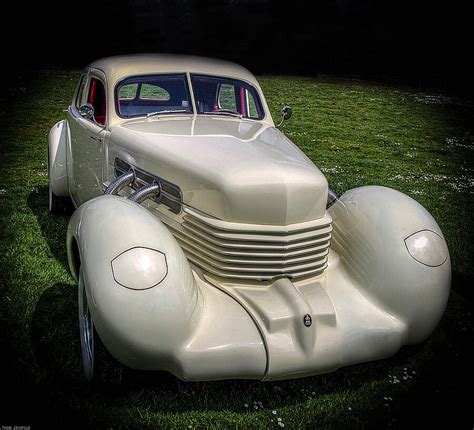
<point x="422" y="44"/>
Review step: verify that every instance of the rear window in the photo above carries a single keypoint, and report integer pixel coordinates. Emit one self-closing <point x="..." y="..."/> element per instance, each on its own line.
<point x="142" y="95"/>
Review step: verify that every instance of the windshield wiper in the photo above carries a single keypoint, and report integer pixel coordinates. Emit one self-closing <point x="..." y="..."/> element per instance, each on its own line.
<point x="227" y="113"/>
<point x="148" y="115"/>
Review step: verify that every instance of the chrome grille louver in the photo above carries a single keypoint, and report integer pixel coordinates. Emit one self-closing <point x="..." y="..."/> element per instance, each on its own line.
<point x="259" y="252"/>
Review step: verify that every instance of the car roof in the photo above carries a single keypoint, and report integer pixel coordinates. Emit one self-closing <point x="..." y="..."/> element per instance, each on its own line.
<point x="119" y="67"/>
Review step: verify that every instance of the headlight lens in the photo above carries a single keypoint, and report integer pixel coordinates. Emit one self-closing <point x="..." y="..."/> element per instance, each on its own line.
<point x="140" y="268"/>
<point x="427" y="247"/>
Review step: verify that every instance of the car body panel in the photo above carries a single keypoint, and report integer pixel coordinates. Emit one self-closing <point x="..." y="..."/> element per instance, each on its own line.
<point x="181" y="325"/>
<point x="254" y="161"/>
<point x="87" y="152"/>
<point x="256" y="330"/>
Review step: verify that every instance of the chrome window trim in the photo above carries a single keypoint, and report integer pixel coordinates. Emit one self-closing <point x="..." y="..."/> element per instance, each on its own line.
<point x="82" y="80"/>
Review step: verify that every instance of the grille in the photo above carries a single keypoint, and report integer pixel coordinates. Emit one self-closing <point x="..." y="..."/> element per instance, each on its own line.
<point x="248" y="251"/>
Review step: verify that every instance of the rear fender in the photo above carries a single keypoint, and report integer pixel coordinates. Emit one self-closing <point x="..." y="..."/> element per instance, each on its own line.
<point x="57" y="171"/>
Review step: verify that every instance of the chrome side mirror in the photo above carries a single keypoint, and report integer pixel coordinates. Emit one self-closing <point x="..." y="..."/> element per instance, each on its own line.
<point x="87" y="111"/>
<point x="285" y="114"/>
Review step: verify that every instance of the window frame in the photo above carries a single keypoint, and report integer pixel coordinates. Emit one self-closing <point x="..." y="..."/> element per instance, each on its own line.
<point x="76" y="99"/>
<point x="96" y="76"/>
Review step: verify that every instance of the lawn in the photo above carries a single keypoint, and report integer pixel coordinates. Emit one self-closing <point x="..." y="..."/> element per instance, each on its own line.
<point x="415" y="141"/>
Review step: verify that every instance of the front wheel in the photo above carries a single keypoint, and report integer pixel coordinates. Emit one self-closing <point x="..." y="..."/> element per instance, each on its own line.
<point x="100" y="368"/>
<point x="86" y="331"/>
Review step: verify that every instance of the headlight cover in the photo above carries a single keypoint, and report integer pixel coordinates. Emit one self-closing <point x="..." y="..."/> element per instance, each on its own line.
<point x="427" y="248"/>
<point x="140" y="268"/>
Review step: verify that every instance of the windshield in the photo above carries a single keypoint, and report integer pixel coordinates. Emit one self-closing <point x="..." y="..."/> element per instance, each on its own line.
<point x="157" y="94"/>
<point x="216" y="95"/>
<point x="163" y="94"/>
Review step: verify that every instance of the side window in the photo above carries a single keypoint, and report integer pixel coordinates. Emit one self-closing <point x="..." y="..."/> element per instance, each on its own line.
<point x="128" y="92"/>
<point x="80" y="91"/>
<point x="97" y="99"/>
<point x="226" y="99"/>
<point x="154" y="92"/>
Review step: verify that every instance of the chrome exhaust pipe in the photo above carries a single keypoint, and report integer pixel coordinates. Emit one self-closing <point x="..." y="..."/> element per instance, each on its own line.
<point x="144" y="193"/>
<point x="120" y="182"/>
<point x="332" y="198"/>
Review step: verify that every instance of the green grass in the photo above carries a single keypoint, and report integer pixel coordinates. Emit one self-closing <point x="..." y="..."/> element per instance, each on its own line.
<point x="358" y="134"/>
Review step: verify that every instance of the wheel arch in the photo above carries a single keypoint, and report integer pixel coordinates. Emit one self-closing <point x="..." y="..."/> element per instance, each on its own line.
<point x="74" y="256"/>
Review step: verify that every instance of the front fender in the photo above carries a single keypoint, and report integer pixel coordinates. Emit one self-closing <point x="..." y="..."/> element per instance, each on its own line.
<point x="155" y="320"/>
<point x="57" y="158"/>
<point x="395" y="254"/>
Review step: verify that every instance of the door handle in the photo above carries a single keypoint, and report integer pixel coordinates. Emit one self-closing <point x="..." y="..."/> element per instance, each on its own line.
<point x="100" y="139"/>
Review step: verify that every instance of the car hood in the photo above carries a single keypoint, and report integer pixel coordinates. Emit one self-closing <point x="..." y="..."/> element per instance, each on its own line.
<point x="232" y="169"/>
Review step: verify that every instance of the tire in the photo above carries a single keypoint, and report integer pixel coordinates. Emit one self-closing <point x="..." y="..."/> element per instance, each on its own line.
<point x="86" y="331"/>
<point x="100" y="368"/>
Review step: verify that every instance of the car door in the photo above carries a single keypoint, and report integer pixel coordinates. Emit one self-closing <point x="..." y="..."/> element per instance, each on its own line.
<point x="87" y="139"/>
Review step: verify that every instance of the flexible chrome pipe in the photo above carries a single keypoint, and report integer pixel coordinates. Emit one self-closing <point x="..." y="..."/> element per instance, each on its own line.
<point x="332" y="198"/>
<point x="145" y="193"/>
<point x="119" y="182"/>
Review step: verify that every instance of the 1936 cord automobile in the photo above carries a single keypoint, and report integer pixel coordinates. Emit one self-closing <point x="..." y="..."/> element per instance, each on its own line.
<point x="206" y="244"/>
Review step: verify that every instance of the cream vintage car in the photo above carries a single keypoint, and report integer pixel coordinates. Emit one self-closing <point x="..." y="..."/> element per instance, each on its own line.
<point x="206" y="244"/>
